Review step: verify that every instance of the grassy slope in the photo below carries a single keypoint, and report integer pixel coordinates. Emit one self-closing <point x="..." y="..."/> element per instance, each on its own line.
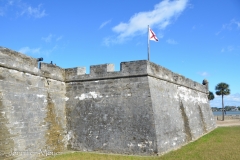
<point x="221" y="144"/>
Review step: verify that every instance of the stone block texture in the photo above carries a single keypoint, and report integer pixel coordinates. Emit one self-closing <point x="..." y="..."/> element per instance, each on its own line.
<point x="32" y="109"/>
<point x="143" y="109"/>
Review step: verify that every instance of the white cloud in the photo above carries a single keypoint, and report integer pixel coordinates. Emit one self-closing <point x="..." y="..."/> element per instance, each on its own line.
<point x="36" y="12"/>
<point x="172" y="41"/>
<point x="37" y="51"/>
<point x="204" y="74"/>
<point x="229" y="100"/>
<point x="191" y="6"/>
<point x="238" y="24"/>
<point x="49" y="51"/>
<point x="3" y="8"/>
<point x="59" y="38"/>
<point x="228" y="49"/>
<point x="10" y="2"/>
<point x="21" y="9"/>
<point x="233" y="24"/>
<point x="51" y="38"/>
<point x="48" y="39"/>
<point x="104" y="24"/>
<point x="106" y="41"/>
<point x="27" y="50"/>
<point x="160" y="17"/>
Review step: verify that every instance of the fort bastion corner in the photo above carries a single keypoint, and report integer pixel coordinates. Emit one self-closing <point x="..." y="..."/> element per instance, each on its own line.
<point x="143" y="109"/>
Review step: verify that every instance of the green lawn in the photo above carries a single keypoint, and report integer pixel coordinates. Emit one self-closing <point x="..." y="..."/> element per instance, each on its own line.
<point x="221" y="144"/>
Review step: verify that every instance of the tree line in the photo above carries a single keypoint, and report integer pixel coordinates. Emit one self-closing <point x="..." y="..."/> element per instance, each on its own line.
<point x="227" y="108"/>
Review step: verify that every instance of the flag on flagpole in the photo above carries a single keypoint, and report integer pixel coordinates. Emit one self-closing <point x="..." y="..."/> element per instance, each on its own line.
<point x="152" y="36"/>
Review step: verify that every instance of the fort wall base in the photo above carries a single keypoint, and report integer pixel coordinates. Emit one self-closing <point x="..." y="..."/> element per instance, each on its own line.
<point x="143" y="109"/>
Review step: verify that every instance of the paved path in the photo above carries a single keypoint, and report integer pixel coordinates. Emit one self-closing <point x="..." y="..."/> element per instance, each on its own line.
<point x="228" y="122"/>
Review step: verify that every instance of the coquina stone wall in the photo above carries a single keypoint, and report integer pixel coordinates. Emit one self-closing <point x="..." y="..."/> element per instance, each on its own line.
<point x="143" y="109"/>
<point x="181" y="108"/>
<point x="32" y="107"/>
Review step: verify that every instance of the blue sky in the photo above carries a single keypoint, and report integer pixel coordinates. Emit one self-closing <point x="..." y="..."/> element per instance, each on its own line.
<point x="197" y="39"/>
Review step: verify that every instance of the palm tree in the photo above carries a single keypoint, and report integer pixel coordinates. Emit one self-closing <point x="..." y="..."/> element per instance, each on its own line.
<point x="210" y="96"/>
<point x="222" y="89"/>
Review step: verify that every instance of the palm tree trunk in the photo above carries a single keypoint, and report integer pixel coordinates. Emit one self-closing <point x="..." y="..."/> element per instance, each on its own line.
<point x="222" y="109"/>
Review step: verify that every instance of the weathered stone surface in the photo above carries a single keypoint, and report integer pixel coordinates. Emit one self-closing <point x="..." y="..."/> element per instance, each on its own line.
<point x="111" y="116"/>
<point x="143" y="109"/>
<point x="52" y="71"/>
<point x="181" y="114"/>
<point x="71" y="73"/>
<point x="20" y="62"/>
<point x="176" y="108"/>
<point x="32" y="112"/>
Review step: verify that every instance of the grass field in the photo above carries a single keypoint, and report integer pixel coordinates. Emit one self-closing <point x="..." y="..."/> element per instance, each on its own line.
<point x="221" y="144"/>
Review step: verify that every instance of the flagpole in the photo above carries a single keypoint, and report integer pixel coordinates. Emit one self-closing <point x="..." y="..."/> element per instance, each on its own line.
<point x="148" y="45"/>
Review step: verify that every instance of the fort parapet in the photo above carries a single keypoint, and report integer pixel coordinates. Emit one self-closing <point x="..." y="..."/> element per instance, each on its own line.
<point x="131" y="69"/>
<point x="143" y="109"/>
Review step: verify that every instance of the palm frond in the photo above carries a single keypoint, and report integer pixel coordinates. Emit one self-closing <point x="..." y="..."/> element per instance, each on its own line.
<point x="218" y="93"/>
<point x="222" y="89"/>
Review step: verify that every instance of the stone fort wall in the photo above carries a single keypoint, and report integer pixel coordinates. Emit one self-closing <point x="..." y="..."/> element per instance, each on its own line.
<point x="142" y="109"/>
<point x="32" y="107"/>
